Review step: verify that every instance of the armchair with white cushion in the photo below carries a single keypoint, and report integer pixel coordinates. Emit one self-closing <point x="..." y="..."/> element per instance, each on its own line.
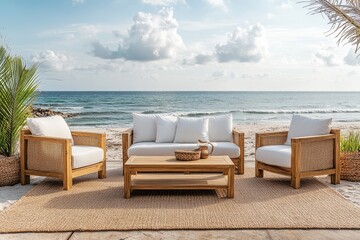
<point x="309" y="148"/>
<point x="48" y="148"/>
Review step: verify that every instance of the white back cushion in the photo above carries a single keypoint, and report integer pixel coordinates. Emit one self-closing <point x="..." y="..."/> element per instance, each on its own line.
<point x="220" y="128"/>
<point x="189" y="130"/>
<point x="302" y="126"/>
<point x="144" y="128"/>
<point x="54" y="126"/>
<point x="165" y="128"/>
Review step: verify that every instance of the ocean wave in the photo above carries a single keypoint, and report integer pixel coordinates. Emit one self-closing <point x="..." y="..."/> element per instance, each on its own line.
<point x="302" y="111"/>
<point x="69" y="108"/>
<point x="201" y="114"/>
<point x="152" y="112"/>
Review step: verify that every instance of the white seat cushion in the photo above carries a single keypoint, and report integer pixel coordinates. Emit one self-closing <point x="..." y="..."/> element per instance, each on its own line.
<point x="278" y="155"/>
<point x="54" y="126"/>
<point x="167" y="149"/>
<point x="86" y="155"/>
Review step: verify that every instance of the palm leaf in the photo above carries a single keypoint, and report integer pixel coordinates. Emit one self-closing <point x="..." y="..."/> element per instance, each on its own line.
<point x="17" y="93"/>
<point x="344" y="18"/>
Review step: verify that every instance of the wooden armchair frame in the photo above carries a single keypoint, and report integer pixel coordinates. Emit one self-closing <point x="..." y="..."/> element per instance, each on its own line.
<point x="58" y="156"/>
<point x="238" y="139"/>
<point x="310" y="156"/>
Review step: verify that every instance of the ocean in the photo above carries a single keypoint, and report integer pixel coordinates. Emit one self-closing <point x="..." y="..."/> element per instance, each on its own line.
<point x="105" y="109"/>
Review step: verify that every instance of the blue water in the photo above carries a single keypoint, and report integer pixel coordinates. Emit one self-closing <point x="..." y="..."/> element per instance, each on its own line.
<point x="114" y="108"/>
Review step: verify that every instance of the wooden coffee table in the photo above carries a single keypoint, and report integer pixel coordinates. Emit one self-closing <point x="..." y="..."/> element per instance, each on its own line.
<point x="165" y="172"/>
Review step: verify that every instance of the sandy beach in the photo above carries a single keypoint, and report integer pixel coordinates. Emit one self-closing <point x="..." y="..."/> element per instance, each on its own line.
<point x="349" y="190"/>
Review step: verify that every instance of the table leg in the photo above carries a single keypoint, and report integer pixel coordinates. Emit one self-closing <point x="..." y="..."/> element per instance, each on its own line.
<point x="127" y="183"/>
<point x="230" y="188"/>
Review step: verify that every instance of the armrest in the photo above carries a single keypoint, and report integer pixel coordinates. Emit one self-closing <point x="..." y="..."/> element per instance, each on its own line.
<point x="37" y="150"/>
<point x="272" y="138"/>
<point x="238" y="138"/>
<point x="313" y="138"/>
<point x="127" y="138"/>
<point x="89" y="139"/>
<point x="63" y="141"/>
<point x="319" y="152"/>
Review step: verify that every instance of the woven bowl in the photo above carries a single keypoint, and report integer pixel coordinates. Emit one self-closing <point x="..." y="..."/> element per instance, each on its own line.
<point x="185" y="155"/>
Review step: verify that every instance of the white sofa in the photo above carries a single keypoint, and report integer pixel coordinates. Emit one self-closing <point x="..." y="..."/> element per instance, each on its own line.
<point x="156" y="135"/>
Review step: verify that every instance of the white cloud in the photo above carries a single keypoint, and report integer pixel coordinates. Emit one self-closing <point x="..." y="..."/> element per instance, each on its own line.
<point x="76" y="31"/>
<point x="243" y="45"/>
<point x="60" y="62"/>
<point x="327" y="57"/>
<point x="163" y="2"/>
<point x="218" y="4"/>
<point x="52" y="60"/>
<point x="351" y="58"/>
<point x="202" y="58"/>
<point x="151" y="37"/>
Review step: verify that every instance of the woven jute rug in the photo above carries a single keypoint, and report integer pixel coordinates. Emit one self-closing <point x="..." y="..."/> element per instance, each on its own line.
<point x="98" y="204"/>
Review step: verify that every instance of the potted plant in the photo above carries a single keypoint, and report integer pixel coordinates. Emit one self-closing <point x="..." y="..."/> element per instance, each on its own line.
<point x="18" y="86"/>
<point x="350" y="156"/>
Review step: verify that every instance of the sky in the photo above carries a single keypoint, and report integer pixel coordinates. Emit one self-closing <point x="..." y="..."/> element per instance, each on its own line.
<point x="177" y="45"/>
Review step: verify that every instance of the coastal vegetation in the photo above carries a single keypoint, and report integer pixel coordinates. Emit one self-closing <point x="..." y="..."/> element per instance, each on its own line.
<point x="350" y="142"/>
<point x="18" y="84"/>
<point x="344" y="18"/>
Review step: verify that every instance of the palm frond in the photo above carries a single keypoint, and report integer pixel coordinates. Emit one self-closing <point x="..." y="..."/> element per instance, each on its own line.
<point x="17" y="93"/>
<point x="344" y="18"/>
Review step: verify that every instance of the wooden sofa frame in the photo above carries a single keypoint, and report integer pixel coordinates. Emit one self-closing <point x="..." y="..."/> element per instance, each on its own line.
<point x="238" y="139"/>
<point x="310" y="156"/>
<point x="58" y="157"/>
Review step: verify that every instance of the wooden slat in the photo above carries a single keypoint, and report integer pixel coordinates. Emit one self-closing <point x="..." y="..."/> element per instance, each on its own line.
<point x="88" y="134"/>
<point x="179" y="181"/>
<point x="44" y="174"/>
<point x="88" y="169"/>
<point x="318" y="172"/>
<point x="275" y="169"/>
<point x="45" y="139"/>
<point x="170" y="161"/>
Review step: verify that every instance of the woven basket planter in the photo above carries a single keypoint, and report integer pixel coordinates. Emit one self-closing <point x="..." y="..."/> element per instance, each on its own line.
<point x="350" y="166"/>
<point x="9" y="170"/>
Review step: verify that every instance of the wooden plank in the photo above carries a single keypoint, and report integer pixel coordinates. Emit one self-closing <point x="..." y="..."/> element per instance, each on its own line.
<point x="45" y="139"/>
<point x="86" y="170"/>
<point x="44" y="174"/>
<point x="170" y="161"/>
<point x="295" y="163"/>
<point x="274" y="169"/>
<point x="179" y="181"/>
<point x="88" y="134"/>
<point x="67" y="177"/>
<point x="335" y="178"/>
<point x="318" y="172"/>
<point x="24" y="179"/>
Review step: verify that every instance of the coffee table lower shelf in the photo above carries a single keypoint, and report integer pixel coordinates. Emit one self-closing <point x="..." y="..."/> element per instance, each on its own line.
<point x="166" y="181"/>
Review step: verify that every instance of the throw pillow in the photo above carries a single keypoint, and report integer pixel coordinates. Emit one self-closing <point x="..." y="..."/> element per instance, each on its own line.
<point x="220" y="128"/>
<point x="54" y="126"/>
<point x="189" y="130"/>
<point x="144" y="127"/>
<point x="165" y="129"/>
<point x="302" y="126"/>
